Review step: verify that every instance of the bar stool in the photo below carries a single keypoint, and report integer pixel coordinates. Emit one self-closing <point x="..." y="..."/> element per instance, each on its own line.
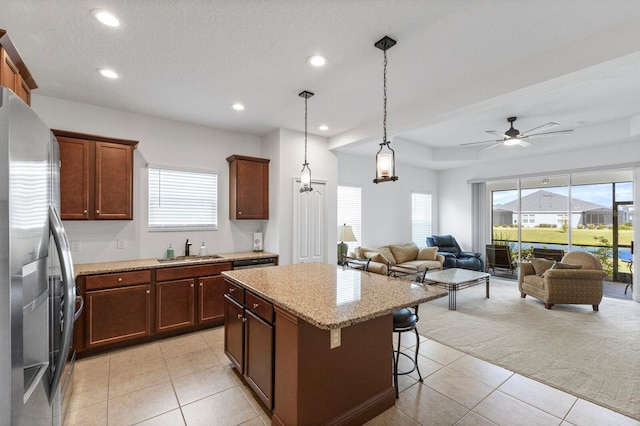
<point x="406" y="320"/>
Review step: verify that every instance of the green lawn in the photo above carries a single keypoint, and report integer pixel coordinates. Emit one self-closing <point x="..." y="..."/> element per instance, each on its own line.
<point x="582" y="237"/>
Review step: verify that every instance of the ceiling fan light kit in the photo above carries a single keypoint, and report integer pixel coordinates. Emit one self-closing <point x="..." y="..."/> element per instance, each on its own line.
<point x="513" y="136"/>
<point x="385" y="158"/>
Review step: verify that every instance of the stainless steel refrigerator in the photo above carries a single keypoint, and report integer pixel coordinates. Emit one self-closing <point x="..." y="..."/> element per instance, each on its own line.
<point x="37" y="289"/>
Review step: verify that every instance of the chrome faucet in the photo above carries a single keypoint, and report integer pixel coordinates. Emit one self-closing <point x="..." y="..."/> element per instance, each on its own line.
<point x="187" y="247"/>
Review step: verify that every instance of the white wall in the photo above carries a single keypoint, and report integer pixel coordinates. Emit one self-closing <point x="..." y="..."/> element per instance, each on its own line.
<point x="162" y="141"/>
<point x="386" y="207"/>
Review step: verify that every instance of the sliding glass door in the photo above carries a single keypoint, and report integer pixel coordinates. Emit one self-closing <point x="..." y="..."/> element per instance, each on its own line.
<point x="555" y="214"/>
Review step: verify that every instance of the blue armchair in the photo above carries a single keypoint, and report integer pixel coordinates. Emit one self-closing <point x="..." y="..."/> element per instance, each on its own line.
<point x="454" y="257"/>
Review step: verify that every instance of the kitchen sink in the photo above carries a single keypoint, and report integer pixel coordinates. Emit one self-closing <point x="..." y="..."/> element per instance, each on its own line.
<point x="184" y="259"/>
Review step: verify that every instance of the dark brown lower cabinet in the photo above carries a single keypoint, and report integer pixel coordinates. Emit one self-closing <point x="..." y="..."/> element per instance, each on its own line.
<point x="175" y="304"/>
<point x="259" y="351"/>
<point x="249" y="344"/>
<point x="211" y="293"/>
<point x="117" y="314"/>
<point x="234" y="332"/>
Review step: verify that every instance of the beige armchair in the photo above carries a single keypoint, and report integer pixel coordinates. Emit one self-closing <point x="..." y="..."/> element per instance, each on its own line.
<point x="564" y="286"/>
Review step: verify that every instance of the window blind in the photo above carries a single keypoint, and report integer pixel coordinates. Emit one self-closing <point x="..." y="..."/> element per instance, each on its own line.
<point x="420" y="218"/>
<point x="180" y="199"/>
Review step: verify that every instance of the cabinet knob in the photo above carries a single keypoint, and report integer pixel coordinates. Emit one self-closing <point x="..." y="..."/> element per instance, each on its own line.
<point x="231" y="290"/>
<point x="85" y="211"/>
<point x="239" y="212"/>
<point x="148" y="291"/>
<point x="239" y="316"/>
<point x="255" y="305"/>
<point x="191" y="285"/>
<point x="98" y="211"/>
<point x="119" y="279"/>
<point x="200" y="284"/>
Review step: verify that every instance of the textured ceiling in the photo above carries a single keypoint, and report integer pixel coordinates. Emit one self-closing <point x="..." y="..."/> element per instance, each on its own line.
<point x="460" y="67"/>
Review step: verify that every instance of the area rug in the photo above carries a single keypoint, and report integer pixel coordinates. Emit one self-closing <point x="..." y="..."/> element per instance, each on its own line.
<point x="592" y="355"/>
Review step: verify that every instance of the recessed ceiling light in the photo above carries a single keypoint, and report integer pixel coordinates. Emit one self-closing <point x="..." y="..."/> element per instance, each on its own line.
<point x="238" y="107"/>
<point x="317" y="60"/>
<point x="109" y="73"/>
<point x="323" y="127"/>
<point x="105" y="17"/>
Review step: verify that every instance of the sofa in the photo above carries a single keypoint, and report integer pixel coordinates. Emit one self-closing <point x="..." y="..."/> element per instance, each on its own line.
<point x="575" y="280"/>
<point x="398" y="256"/>
<point x="454" y="257"/>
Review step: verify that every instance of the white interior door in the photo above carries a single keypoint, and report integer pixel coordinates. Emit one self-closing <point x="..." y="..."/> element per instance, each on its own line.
<point x="309" y="223"/>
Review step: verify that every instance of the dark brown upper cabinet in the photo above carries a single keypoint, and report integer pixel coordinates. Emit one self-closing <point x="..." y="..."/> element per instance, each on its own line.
<point x="96" y="177"/>
<point x="248" y="187"/>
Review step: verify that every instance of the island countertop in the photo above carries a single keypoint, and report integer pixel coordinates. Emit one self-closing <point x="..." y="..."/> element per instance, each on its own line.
<point x="330" y="296"/>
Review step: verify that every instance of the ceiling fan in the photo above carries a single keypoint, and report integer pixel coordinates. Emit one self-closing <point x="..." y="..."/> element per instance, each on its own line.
<point x="514" y="137"/>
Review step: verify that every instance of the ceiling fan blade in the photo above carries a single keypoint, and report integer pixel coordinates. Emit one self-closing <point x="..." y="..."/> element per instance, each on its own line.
<point x="481" y="142"/>
<point x="524" y="144"/>
<point x="539" y="129"/>
<point x="547" y="134"/>
<point x="497" y="133"/>
<point x="490" y="146"/>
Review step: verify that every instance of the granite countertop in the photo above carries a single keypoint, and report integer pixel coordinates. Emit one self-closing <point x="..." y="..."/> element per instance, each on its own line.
<point x="330" y="296"/>
<point x="138" y="264"/>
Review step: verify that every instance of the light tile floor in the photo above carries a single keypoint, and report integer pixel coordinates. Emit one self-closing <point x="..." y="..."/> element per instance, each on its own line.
<point x="188" y="380"/>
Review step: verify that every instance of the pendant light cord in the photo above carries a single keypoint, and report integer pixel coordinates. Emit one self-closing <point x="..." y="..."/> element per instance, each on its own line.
<point x="384" y="80"/>
<point x="305" y="130"/>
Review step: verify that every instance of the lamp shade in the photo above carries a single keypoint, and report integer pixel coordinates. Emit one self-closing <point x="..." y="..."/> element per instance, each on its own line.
<point x="345" y="233"/>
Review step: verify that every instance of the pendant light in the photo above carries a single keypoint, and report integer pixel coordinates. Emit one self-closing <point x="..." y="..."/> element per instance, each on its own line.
<point x="305" y="175"/>
<point x="385" y="158"/>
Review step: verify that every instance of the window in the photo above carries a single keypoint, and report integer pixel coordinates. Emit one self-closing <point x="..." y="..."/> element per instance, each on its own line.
<point x="349" y="212"/>
<point x="528" y="219"/>
<point x="420" y="218"/>
<point x="182" y="199"/>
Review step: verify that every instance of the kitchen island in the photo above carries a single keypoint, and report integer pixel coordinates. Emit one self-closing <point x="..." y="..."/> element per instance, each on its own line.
<point x="324" y="331"/>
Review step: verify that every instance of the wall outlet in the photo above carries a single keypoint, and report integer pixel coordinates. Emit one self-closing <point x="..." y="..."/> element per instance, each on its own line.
<point x="120" y="243"/>
<point x="335" y="338"/>
<point x="75" y="245"/>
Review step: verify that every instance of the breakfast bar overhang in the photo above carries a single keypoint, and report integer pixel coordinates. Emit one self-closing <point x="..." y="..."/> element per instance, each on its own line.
<point x="332" y="333"/>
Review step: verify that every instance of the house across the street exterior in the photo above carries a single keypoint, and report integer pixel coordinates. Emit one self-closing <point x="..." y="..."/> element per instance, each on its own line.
<point x="547" y="208"/>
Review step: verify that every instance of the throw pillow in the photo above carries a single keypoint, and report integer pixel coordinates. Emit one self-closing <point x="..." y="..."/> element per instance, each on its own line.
<point x="405" y="252"/>
<point x="362" y="250"/>
<point x="540" y="266"/>
<point x="386" y="252"/>
<point x="560" y="265"/>
<point x="427" y="253"/>
<point x="375" y="257"/>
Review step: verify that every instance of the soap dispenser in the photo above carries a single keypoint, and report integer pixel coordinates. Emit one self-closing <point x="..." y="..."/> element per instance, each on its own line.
<point x="170" y="253"/>
<point x="203" y="250"/>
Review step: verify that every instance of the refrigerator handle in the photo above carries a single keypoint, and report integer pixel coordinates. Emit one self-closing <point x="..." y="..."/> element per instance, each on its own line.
<point x="68" y="292"/>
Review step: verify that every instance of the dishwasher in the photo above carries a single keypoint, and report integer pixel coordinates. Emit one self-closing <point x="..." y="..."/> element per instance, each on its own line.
<point x="254" y="263"/>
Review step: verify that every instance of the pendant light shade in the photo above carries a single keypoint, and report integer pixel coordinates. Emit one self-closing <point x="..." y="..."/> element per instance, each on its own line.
<point x="305" y="174"/>
<point x="385" y="158"/>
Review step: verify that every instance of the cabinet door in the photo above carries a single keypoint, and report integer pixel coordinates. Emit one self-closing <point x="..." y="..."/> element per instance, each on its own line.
<point x="253" y="190"/>
<point x="74" y="178"/>
<point x="8" y="71"/>
<point x="117" y="314"/>
<point x="113" y="181"/>
<point x="175" y="304"/>
<point x="211" y="299"/>
<point x="259" y="353"/>
<point x="23" y="90"/>
<point x="234" y="332"/>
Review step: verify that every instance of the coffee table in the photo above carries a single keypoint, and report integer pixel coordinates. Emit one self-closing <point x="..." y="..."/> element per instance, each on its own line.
<point x="455" y="279"/>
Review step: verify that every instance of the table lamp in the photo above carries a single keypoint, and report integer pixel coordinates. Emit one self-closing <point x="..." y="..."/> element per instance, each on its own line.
<point x="345" y="233"/>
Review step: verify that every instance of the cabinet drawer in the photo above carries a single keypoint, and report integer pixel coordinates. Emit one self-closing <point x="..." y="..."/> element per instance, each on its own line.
<point x="259" y="306"/>
<point x="166" y="274"/>
<point x="96" y="282"/>
<point x="234" y="291"/>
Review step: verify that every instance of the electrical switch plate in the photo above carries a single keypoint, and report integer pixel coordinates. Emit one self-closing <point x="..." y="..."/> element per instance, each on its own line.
<point x="75" y="245"/>
<point x="120" y="243"/>
<point x="335" y="338"/>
